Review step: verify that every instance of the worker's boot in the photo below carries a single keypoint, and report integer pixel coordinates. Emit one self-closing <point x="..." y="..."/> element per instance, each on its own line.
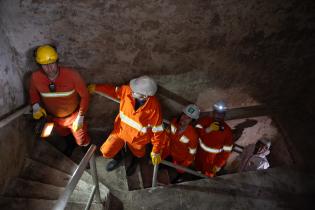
<point x="133" y="166"/>
<point x="70" y="145"/>
<point x="113" y="164"/>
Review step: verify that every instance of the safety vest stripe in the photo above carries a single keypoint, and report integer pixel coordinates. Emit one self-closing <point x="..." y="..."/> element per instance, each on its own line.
<point x="184" y="139"/>
<point x="209" y="149"/>
<point x="227" y="148"/>
<point x="192" y="150"/>
<point x="132" y="123"/>
<point x="199" y="126"/>
<point x="173" y="129"/>
<point x="158" y="128"/>
<point x="57" y="94"/>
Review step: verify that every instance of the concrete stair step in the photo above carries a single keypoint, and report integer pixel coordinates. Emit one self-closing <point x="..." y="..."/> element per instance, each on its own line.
<point x="48" y="155"/>
<point x="45" y="153"/>
<point x="31" y="189"/>
<point x="37" y="171"/>
<point x="13" y="203"/>
<point x="83" y="189"/>
<point x="275" y="188"/>
<point x="9" y="203"/>
<point x="115" y="180"/>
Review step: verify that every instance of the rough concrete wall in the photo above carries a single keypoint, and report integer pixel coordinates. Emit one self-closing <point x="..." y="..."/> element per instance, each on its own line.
<point x="15" y="141"/>
<point x="247" y="52"/>
<point x="11" y="91"/>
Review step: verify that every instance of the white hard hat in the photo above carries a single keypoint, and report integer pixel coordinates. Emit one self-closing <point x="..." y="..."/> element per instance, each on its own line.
<point x="192" y="111"/>
<point x="144" y="85"/>
<point x="220" y="106"/>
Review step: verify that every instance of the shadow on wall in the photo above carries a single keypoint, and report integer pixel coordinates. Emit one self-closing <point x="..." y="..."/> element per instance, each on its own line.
<point x="239" y="128"/>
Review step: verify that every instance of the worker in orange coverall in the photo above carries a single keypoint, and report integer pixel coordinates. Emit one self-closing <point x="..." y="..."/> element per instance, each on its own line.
<point x="60" y="94"/>
<point x="215" y="141"/>
<point x="182" y="139"/>
<point x="138" y="123"/>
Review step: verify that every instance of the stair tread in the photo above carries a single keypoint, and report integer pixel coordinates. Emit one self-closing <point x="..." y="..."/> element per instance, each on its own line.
<point x="9" y="203"/>
<point x="47" y="154"/>
<point x="37" y="171"/>
<point x="13" y="203"/>
<point x="33" y="189"/>
<point x="275" y="188"/>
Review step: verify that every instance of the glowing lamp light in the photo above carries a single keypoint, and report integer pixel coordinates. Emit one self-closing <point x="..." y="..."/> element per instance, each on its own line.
<point x="48" y="127"/>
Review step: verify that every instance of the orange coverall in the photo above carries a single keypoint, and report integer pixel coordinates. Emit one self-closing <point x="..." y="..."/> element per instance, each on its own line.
<point x="70" y="98"/>
<point x="214" y="147"/>
<point x="136" y="128"/>
<point x="181" y="145"/>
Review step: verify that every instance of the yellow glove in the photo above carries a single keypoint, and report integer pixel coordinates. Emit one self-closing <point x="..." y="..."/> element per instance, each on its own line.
<point x="38" y="112"/>
<point x="91" y="88"/>
<point x="78" y="123"/>
<point x="156" y="158"/>
<point x="215" y="126"/>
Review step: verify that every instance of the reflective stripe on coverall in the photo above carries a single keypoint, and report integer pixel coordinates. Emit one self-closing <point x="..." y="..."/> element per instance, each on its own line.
<point x="181" y="146"/>
<point x="70" y="98"/>
<point x="136" y="128"/>
<point x="214" y="147"/>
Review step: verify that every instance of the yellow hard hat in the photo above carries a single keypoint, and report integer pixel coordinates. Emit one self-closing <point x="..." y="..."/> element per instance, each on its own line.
<point x="46" y="54"/>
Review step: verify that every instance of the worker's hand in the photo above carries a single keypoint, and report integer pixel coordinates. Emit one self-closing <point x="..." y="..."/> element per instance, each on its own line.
<point x="215" y="126"/>
<point x="156" y="158"/>
<point x="38" y="111"/>
<point x="78" y="123"/>
<point x="91" y="88"/>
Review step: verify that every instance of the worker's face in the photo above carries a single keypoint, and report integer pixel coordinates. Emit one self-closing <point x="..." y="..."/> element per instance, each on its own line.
<point x="139" y="96"/>
<point x="218" y="116"/>
<point x="184" y="120"/>
<point x="51" y="70"/>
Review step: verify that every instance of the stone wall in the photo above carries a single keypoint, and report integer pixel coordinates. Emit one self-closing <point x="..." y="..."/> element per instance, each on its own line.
<point x="246" y="52"/>
<point x="11" y="91"/>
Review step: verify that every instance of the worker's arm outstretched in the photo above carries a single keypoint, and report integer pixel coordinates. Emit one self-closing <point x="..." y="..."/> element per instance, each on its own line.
<point x="111" y="90"/>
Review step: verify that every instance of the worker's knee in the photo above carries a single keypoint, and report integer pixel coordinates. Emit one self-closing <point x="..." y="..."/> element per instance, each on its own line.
<point x="108" y="153"/>
<point x="111" y="146"/>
